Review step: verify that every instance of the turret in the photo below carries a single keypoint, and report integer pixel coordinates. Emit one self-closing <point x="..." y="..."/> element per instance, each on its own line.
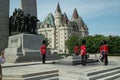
<point x="58" y="16"/>
<point x="65" y="19"/>
<point x="76" y="18"/>
<point x="75" y="14"/>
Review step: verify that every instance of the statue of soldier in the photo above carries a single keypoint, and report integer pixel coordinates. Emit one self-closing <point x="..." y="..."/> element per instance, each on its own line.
<point x="34" y="21"/>
<point x="10" y="24"/>
<point x="27" y="22"/>
<point x="23" y="24"/>
<point x="19" y="20"/>
<point x="14" y="19"/>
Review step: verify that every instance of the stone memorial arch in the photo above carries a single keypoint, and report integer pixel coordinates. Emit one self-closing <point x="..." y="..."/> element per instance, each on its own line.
<point x="28" y="6"/>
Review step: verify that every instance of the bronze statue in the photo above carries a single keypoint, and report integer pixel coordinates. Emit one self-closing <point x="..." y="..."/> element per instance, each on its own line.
<point x="22" y="23"/>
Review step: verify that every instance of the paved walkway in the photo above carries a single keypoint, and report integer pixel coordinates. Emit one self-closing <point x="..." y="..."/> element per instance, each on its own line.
<point x="33" y="67"/>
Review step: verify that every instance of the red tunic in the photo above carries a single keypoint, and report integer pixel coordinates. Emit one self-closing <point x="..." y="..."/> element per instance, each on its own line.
<point x="105" y="48"/>
<point x="83" y="50"/>
<point x="101" y="49"/>
<point x="76" y="49"/>
<point x="43" y="49"/>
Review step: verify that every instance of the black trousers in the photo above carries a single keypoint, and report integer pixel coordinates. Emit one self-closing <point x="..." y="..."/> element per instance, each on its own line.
<point x="106" y="59"/>
<point x="102" y="57"/>
<point x="43" y="58"/>
<point x="83" y="60"/>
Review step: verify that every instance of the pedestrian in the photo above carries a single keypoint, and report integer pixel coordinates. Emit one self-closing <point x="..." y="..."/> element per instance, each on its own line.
<point x="43" y="49"/>
<point x="83" y="52"/>
<point x="105" y="52"/>
<point x="76" y="49"/>
<point x="2" y="60"/>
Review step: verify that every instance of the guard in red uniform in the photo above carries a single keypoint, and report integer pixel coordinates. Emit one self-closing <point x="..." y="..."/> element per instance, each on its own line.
<point x="43" y="49"/>
<point x="83" y="52"/>
<point x="105" y="51"/>
<point x="76" y="49"/>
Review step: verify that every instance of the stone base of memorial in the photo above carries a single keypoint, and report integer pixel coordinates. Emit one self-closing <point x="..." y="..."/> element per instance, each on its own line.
<point x="25" y="48"/>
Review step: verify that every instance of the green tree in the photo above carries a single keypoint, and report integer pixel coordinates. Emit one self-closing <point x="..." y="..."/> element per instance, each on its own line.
<point x="70" y="43"/>
<point x="93" y="43"/>
<point x="47" y="41"/>
<point x="114" y="44"/>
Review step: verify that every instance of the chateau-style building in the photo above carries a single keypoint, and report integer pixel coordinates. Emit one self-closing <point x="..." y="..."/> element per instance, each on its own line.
<point x="58" y="28"/>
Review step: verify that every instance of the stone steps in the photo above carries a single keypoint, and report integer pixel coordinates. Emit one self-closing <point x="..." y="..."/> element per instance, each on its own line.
<point x="66" y="75"/>
<point x="105" y="74"/>
<point x="60" y="78"/>
<point x="32" y="76"/>
<point x="39" y="77"/>
<point x="112" y="77"/>
<point x="78" y="61"/>
<point x="52" y="78"/>
<point x="102" y="71"/>
<point x="74" y="60"/>
<point x="117" y="78"/>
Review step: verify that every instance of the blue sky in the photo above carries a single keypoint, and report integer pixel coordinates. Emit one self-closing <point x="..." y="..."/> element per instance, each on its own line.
<point x="101" y="16"/>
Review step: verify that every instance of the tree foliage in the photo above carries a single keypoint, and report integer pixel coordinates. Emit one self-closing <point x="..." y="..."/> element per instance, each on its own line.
<point x="114" y="44"/>
<point x="47" y="41"/>
<point x="70" y="43"/>
<point x="93" y="43"/>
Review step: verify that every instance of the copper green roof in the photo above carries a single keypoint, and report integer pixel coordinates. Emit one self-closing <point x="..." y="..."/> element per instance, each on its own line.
<point x="49" y="19"/>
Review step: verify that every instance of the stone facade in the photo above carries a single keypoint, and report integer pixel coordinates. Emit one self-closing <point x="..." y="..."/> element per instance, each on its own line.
<point x="29" y="7"/>
<point x="58" y="28"/>
<point x="4" y="23"/>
